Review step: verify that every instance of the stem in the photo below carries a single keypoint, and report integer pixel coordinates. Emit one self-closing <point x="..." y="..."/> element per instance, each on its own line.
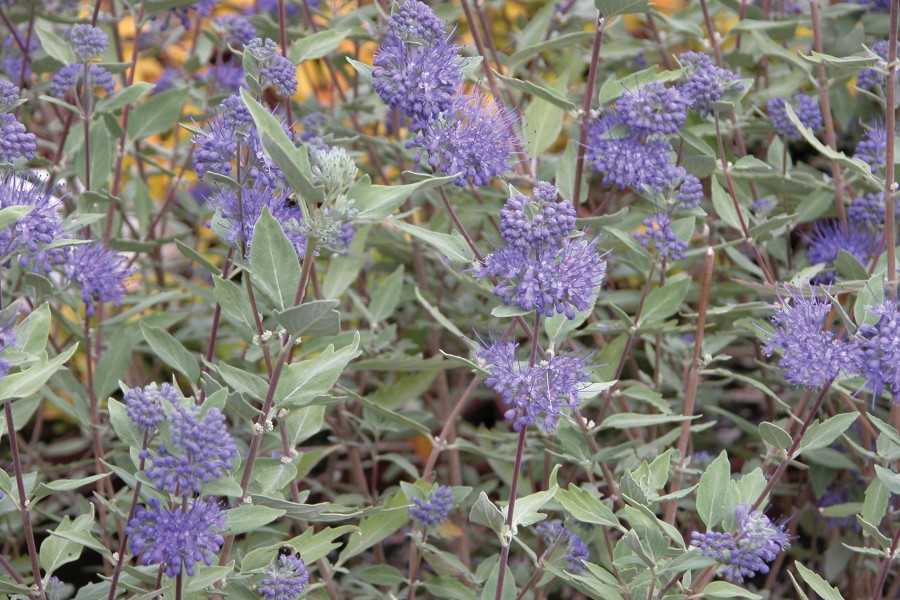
<point x="441" y="441"/>
<point x="123" y="544"/>
<point x="586" y="108"/>
<point x="23" y="502"/>
<point x="886" y="566"/>
<point x="459" y="226"/>
<point x="737" y="207"/>
<point x="890" y="227"/>
<point x="826" y="113"/>
<point x="513" y="488"/>
<point x="415" y="561"/>
<point x="693" y="382"/>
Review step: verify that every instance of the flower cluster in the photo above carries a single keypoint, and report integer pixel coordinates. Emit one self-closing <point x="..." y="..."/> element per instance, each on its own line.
<point x="100" y="271"/>
<point x="70" y="77"/>
<point x="806" y="108"/>
<point x="541" y="267"/>
<point x="417" y="70"/>
<point x="811" y="356"/>
<point x="200" y="450"/>
<point x="657" y="231"/>
<point x="705" y="82"/>
<point x="275" y="70"/>
<point x="145" y="406"/>
<point x="88" y="41"/>
<point x="830" y="237"/>
<point x="239" y="211"/>
<point x="236" y="30"/>
<point x="875" y="77"/>
<point x="746" y="550"/>
<point x="575" y="550"/>
<point x="867" y="211"/>
<point x="15" y="141"/>
<point x="872" y="148"/>
<point x="881" y="350"/>
<point x="285" y="580"/>
<point x="433" y="511"/>
<point x="39" y="227"/>
<point x="535" y="394"/>
<point x="7" y="341"/>
<point x="176" y="538"/>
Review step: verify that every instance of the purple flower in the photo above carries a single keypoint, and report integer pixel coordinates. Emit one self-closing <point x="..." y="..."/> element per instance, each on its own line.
<point x="15" y="141"/>
<point x="238" y="30"/>
<point x="763" y="206"/>
<point x="216" y="147"/>
<point x="291" y="10"/>
<point x="472" y="139"/>
<point x="69" y="77"/>
<point x="830" y="237"/>
<point x="41" y="226"/>
<point x="690" y="194"/>
<point x="745" y="551"/>
<point x="9" y="94"/>
<point x="176" y="538"/>
<point x="805" y="107"/>
<point x="418" y="79"/>
<point x="576" y="551"/>
<point x="88" y="41"/>
<point x="286" y="581"/>
<point x="226" y="77"/>
<point x="627" y="160"/>
<point x="168" y="79"/>
<point x="145" y="405"/>
<point x="867" y="211"/>
<point x="706" y="83"/>
<point x="100" y="271"/>
<point x="875" y="77"/>
<point x="872" y="149"/>
<point x="241" y="217"/>
<point x="658" y="232"/>
<point x="12" y="55"/>
<point x="433" y="511"/>
<point x="415" y="21"/>
<point x="881" y="349"/>
<point x="7" y="341"/>
<point x="652" y="110"/>
<point x="556" y="279"/>
<point x="811" y="356"/>
<point x="538" y="220"/>
<point x="535" y="394"/>
<point x="200" y="450"/>
<point x="274" y="69"/>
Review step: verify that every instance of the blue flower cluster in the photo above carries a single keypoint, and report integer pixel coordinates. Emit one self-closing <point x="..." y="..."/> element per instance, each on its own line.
<point x="15" y="141"/>
<point x="38" y="228"/>
<point x="542" y="266"/>
<point x="433" y="511"/>
<point x="100" y="271"/>
<point x="576" y="551"/>
<point x="88" y="41"/>
<point x="285" y="580"/>
<point x="806" y="108"/>
<point x="275" y="70"/>
<point x="875" y="77"/>
<point x="705" y="83"/>
<point x="145" y="406"/>
<point x="657" y="231"/>
<point x="746" y="550"/>
<point x="417" y="70"/>
<point x="237" y="31"/>
<point x="867" y="211"/>
<point x="829" y="237"/>
<point x="70" y="77"/>
<point x="872" y="148"/>
<point x="534" y="394"/>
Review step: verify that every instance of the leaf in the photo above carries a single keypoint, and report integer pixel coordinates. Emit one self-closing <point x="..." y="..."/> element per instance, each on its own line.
<point x="171" y="352"/>
<point x="101" y="157"/>
<point x="304" y="381"/>
<point x="64" y="485"/>
<point x="526" y="509"/>
<point x="552" y="96"/>
<point x="664" y="301"/>
<point x="234" y="302"/>
<point x="303" y="423"/>
<point x="374" y="528"/>
<point x="712" y="493"/>
<point x="870" y="295"/>
<point x="32" y="333"/>
<point x="613" y="8"/>
<point x="775" y="435"/>
<point x="484" y="512"/>
<point x="122" y="424"/>
<point x="585" y="507"/>
<point x="273" y="262"/>
<point x="112" y="365"/>
<point x="317" y="317"/>
<point x="11" y="215"/>
<point x="541" y="125"/>
<point x="724" y="205"/>
<point x="850" y="267"/>
<point x="311" y="546"/>
<point x="29" y="381"/>
<point x="821" y="435"/>
<point x="364" y="70"/>
<point x="490" y="586"/>
<point x="819" y="585"/>
<point x="293" y="162"/>
<point x="156" y="115"/>
<point x="386" y="295"/>
<point x="52" y="44"/>
<point x="451" y="246"/>
<point x="555" y="43"/>
<point x="57" y="551"/>
<point x="889" y="479"/>
<point x="630" y="420"/>
<point x="249" y="517"/>
<point x="723" y="589"/>
<point x="316" y="45"/>
<point x="376" y="202"/>
<point x="124" y="97"/>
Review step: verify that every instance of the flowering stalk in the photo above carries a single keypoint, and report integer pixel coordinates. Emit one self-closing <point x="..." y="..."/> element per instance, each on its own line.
<point x="517" y="468"/>
<point x="23" y="501"/>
